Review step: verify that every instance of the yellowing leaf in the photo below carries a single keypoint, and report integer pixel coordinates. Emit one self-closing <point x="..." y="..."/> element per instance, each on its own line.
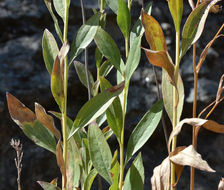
<point x="46" y="120"/>
<point x="18" y="111"/>
<point x="153" y="32"/>
<point x="163" y="60"/>
<point x="60" y="161"/>
<point x="189" y="157"/>
<point x="161" y="176"/>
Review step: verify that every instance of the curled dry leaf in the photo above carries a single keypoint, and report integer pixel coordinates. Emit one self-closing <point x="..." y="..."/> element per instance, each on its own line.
<point x="18" y="111"/>
<point x="46" y="120"/>
<point x="60" y="161"/>
<point x="220" y="90"/>
<point x="221" y="184"/>
<point x="196" y="122"/>
<point x="161" y="176"/>
<point x="189" y="157"/>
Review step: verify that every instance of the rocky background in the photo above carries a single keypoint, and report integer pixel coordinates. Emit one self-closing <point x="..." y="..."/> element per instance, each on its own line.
<point x="23" y="73"/>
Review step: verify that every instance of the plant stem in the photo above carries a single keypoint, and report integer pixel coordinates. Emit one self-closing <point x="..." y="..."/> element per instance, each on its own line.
<point x="64" y="112"/>
<point x="175" y="102"/>
<point x="194" y="115"/>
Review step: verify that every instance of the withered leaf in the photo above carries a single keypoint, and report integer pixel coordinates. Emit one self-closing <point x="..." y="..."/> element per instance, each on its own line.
<point x="18" y="111"/>
<point x="189" y="157"/>
<point x="60" y="161"/>
<point x="46" y="120"/>
<point x="196" y="122"/>
<point x="163" y="60"/>
<point x="161" y="176"/>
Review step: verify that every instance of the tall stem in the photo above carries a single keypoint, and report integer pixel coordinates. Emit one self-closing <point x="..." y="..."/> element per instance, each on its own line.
<point x="64" y="112"/>
<point x="194" y="113"/>
<point x="175" y="101"/>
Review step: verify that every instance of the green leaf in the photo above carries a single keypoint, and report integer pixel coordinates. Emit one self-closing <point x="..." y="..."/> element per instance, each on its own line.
<point x="50" y="49"/>
<point x="84" y="36"/>
<point x="153" y="33"/>
<point x="47" y="186"/>
<point x="89" y="179"/>
<point x="194" y="25"/>
<point x="115" y="171"/>
<point x="133" y="58"/>
<point x="80" y="70"/>
<point x="40" y="135"/>
<point x="123" y="18"/>
<point x="135" y="176"/>
<point x="60" y="7"/>
<point x="57" y="28"/>
<point x="176" y="10"/>
<point x="98" y="57"/>
<point x="144" y="129"/>
<point x="114" y="112"/>
<point x="138" y="29"/>
<point x="167" y="91"/>
<point x="99" y="151"/>
<point x="113" y="5"/>
<point x="108" y="47"/>
<point x="95" y="107"/>
<point x="105" y="68"/>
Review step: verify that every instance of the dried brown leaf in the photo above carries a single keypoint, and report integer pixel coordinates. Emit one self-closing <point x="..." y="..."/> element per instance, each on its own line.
<point x="221" y="184"/>
<point x="46" y="120"/>
<point x="220" y="90"/>
<point x="163" y="60"/>
<point x="161" y="176"/>
<point x="60" y="161"/>
<point x="196" y="122"/>
<point x="189" y="157"/>
<point x="18" y="111"/>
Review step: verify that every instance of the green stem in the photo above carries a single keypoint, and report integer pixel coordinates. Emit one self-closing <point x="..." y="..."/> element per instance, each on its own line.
<point x="64" y="112"/>
<point x="175" y="101"/>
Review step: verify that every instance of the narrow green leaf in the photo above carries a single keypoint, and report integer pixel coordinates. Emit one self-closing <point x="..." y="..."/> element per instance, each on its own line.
<point x="99" y="151"/>
<point x="167" y="91"/>
<point x="47" y="186"/>
<point x="60" y="7"/>
<point x="176" y="10"/>
<point x="80" y="70"/>
<point x="138" y="29"/>
<point x="89" y="179"/>
<point x="113" y="5"/>
<point x="135" y="176"/>
<point x="133" y="58"/>
<point x="105" y="68"/>
<point x="108" y="47"/>
<point x="40" y="135"/>
<point x="194" y="25"/>
<point x="50" y="49"/>
<point x="95" y="107"/>
<point x="114" y="112"/>
<point x="98" y="57"/>
<point x="144" y="129"/>
<point x="123" y="18"/>
<point x="115" y="171"/>
<point x="57" y="28"/>
<point x="84" y="36"/>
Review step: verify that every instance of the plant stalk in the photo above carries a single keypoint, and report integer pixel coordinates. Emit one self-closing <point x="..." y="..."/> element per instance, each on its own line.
<point x="194" y="115"/>
<point x="64" y="112"/>
<point x="175" y="102"/>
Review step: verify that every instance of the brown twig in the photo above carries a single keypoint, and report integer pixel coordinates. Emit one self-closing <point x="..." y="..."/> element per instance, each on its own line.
<point x="18" y="160"/>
